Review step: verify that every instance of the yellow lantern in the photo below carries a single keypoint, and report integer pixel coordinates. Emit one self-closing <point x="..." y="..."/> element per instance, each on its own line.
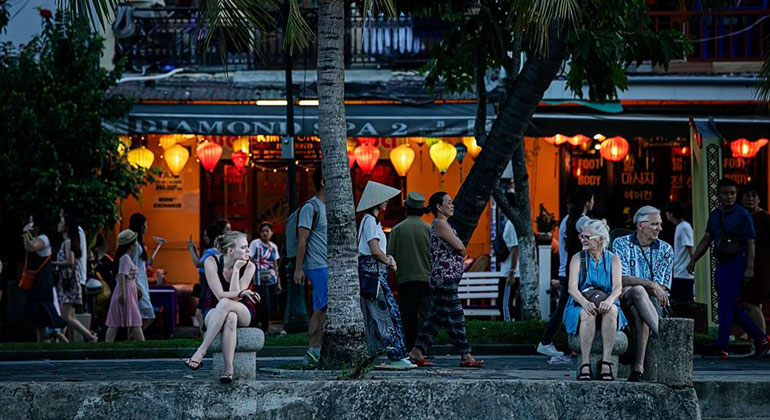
<point x="473" y="148"/>
<point x="442" y="154"/>
<point x="402" y="158"/>
<point x="242" y="144"/>
<point x="176" y="157"/>
<point x="168" y="140"/>
<point x="124" y="144"/>
<point x="141" y="157"/>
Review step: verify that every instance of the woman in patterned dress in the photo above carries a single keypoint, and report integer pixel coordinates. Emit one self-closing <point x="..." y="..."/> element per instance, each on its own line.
<point x="382" y="317"/>
<point x="447" y="254"/>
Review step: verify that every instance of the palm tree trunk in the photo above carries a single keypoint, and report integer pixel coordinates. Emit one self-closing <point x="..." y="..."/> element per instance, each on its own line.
<point x="344" y="329"/>
<point x="504" y="144"/>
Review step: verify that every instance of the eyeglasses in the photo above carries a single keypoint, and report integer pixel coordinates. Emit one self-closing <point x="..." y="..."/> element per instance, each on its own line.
<point x="588" y="238"/>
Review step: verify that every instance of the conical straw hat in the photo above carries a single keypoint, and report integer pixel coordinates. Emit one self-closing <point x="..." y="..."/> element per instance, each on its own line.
<point x="374" y="194"/>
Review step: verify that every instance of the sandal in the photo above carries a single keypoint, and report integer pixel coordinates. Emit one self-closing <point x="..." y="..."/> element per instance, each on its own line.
<point x="606" y="376"/>
<point x="422" y="362"/>
<point x="585" y="376"/>
<point x="192" y="364"/>
<point x="226" y="379"/>
<point x="473" y="363"/>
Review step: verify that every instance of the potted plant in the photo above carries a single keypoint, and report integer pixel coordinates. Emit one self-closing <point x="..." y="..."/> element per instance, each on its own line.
<point x="546" y="222"/>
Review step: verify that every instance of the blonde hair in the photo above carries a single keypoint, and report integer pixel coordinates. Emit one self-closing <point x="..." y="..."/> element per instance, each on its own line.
<point x="227" y="240"/>
<point x="599" y="228"/>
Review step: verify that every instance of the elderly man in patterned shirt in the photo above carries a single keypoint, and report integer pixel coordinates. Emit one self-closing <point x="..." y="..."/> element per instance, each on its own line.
<point x="647" y="272"/>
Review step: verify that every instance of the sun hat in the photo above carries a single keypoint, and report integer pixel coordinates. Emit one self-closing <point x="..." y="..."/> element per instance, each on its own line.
<point x="126" y="237"/>
<point x="415" y="200"/>
<point x="374" y="194"/>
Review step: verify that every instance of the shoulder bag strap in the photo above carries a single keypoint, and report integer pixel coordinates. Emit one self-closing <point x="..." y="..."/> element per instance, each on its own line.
<point x="583" y="270"/>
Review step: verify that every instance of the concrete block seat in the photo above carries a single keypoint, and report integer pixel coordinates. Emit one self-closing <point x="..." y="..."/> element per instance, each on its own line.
<point x="668" y="359"/>
<point x="620" y="346"/>
<point x="248" y="342"/>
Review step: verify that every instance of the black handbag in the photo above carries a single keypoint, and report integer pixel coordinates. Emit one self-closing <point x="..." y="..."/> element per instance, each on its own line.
<point x="592" y="294"/>
<point x="369" y="281"/>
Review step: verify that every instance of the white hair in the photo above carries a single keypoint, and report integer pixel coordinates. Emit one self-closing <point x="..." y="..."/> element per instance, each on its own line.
<point x="644" y="213"/>
<point x="599" y="228"/>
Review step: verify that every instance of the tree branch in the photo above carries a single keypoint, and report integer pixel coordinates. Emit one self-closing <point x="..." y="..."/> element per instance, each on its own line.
<point x="480" y="65"/>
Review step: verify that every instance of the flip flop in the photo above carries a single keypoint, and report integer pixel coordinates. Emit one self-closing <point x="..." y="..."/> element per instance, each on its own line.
<point x="192" y="364"/>
<point x="473" y="363"/>
<point x="422" y="362"/>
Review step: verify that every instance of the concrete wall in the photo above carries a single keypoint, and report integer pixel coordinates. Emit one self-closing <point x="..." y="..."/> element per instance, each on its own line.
<point x="367" y="399"/>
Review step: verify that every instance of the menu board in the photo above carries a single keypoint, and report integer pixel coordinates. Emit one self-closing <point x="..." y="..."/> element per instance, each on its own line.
<point x="268" y="148"/>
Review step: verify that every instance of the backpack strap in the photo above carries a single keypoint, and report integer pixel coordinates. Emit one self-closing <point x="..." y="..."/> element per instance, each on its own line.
<point x="582" y="269"/>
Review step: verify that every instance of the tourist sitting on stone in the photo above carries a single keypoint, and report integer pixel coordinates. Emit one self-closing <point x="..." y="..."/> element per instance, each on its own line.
<point x="647" y="272"/>
<point x="594" y="288"/>
<point x="228" y="303"/>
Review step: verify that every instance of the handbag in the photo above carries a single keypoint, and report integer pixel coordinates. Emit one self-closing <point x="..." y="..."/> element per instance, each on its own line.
<point x="265" y="277"/>
<point x="368" y="281"/>
<point x="592" y="294"/>
<point x="728" y="241"/>
<point x="27" y="279"/>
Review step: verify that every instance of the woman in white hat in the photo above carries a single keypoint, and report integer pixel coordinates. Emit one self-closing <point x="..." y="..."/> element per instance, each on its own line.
<point x="381" y="315"/>
<point x="124" y="305"/>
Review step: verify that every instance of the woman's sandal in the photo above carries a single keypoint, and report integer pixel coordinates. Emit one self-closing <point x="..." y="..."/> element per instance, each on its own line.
<point x="607" y="376"/>
<point x="422" y="362"/>
<point x="226" y="379"/>
<point x="473" y="363"/>
<point x="192" y="364"/>
<point x="585" y="376"/>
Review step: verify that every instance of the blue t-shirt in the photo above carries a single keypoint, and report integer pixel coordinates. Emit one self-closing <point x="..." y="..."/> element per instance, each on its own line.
<point x="736" y="220"/>
<point x="207" y="253"/>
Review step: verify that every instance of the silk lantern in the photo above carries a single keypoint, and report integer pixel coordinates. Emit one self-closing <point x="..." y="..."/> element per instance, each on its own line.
<point x="461" y="151"/>
<point x="124" y="142"/>
<point x="239" y="158"/>
<point x="242" y="144"/>
<point x="557" y="140"/>
<point x="578" y="140"/>
<point x="473" y="148"/>
<point x="442" y="154"/>
<point x="614" y="148"/>
<point x="209" y="153"/>
<point x="402" y="158"/>
<point x="743" y="148"/>
<point x="351" y="159"/>
<point x="167" y="141"/>
<point x="366" y="156"/>
<point x="141" y="157"/>
<point x="176" y="158"/>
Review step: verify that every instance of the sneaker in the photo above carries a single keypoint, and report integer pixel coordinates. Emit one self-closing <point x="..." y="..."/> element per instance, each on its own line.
<point x="548" y="350"/>
<point x="761" y="349"/>
<point x="715" y="353"/>
<point x="310" y="357"/>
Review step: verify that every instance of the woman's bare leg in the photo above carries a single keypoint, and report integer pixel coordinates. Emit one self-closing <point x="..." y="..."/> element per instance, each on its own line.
<point x="111" y="333"/>
<point x="609" y="328"/>
<point x="68" y="313"/>
<point x="136" y="334"/>
<point x="228" y="341"/>
<point x="587" y="332"/>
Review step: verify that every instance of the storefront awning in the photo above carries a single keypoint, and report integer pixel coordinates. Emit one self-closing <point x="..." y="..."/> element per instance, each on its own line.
<point x="632" y="125"/>
<point x="431" y="120"/>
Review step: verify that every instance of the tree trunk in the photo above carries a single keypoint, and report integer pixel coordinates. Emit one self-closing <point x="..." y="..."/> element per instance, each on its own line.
<point x="344" y="329"/>
<point x="504" y="143"/>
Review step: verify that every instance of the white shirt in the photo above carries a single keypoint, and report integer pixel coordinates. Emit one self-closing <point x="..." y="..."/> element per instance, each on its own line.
<point x="46" y="251"/>
<point x="563" y="247"/>
<point x="83" y="260"/>
<point x="510" y="239"/>
<point x="371" y="229"/>
<point x="683" y="237"/>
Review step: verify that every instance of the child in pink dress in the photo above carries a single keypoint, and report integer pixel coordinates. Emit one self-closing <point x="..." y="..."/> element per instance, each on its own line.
<point x="124" y="304"/>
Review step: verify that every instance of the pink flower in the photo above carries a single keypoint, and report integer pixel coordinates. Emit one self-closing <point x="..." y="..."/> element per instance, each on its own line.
<point x="45" y="13"/>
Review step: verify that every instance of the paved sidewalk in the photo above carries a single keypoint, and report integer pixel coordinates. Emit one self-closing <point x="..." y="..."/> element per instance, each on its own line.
<point x="497" y="367"/>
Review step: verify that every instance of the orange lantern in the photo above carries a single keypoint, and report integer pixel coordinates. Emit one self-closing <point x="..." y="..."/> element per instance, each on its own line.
<point x="743" y="148"/>
<point x="557" y="140"/>
<point x="442" y="154"/>
<point x="473" y="148"/>
<point x="578" y="140"/>
<point x="366" y="156"/>
<point x="141" y="157"/>
<point x="351" y="159"/>
<point x="209" y="154"/>
<point x="402" y="158"/>
<point x="176" y="157"/>
<point x="239" y="158"/>
<point x="166" y="141"/>
<point x="682" y="151"/>
<point x="614" y="148"/>
<point x="242" y="144"/>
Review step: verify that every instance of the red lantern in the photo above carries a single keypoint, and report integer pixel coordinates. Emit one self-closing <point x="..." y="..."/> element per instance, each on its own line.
<point x="743" y="148"/>
<point x="367" y="157"/>
<point x="351" y="159"/>
<point x="557" y="140"/>
<point x="578" y="140"/>
<point x="614" y="148"/>
<point x="209" y="154"/>
<point x="682" y="151"/>
<point x="239" y="159"/>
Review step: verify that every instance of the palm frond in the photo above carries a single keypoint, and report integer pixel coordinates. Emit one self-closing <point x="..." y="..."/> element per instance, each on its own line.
<point x="298" y="33"/>
<point x="387" y="6"/>
<point x="763" y="82"/>
<point x="100" y="13"/>
<point x="236" y="22"/>
<point x="534" y="18"/>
